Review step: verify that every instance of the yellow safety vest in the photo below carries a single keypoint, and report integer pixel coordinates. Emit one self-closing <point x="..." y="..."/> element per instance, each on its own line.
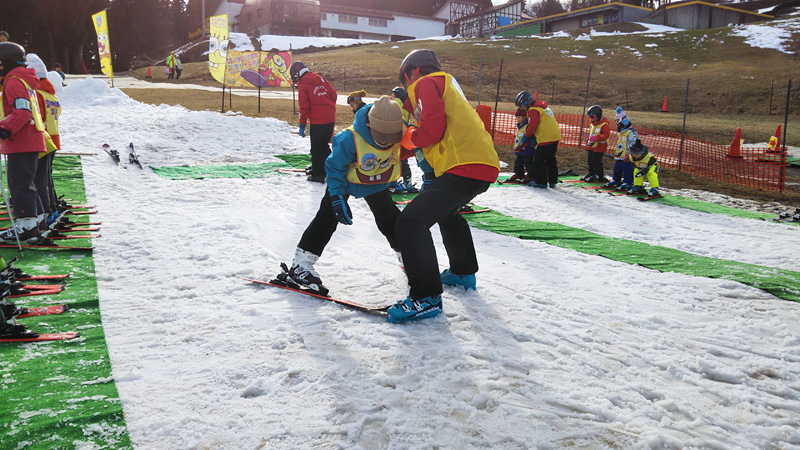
<point x="520" y="135"/>
<point x="548" y="130"/>
<point x="645" y="161"/>
<point x="595" y="130"/>
<point x="52" y="111"/>
<point x="373" y="165"/>
<point x="465" y="140"/>
<point x="624" y="141"/>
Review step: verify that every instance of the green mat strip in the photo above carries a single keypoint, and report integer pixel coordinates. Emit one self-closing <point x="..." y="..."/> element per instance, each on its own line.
<point x="781" y="283"/>
<point x="297" y="161"/>
<point x="61" y="394"/>
<point x="231" y="170"/>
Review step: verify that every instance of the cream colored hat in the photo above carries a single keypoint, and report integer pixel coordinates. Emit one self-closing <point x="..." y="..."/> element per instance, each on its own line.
<point x="386" y="121"/>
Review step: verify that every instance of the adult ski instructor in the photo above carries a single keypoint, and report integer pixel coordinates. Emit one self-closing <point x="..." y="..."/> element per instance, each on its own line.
<point x="456" y="145"/>
<point x="317" y="100"/>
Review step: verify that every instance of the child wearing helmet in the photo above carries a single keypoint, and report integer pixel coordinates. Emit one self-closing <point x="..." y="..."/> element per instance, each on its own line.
<point x="317" y="100"/>
<point x="644" y="165"/>
<point x="597" y="143"/>
<point x="622" y="176"/>
<point x="544" y="134"/>
<point x="524" y="150"/>
<point x="455" y="144"/>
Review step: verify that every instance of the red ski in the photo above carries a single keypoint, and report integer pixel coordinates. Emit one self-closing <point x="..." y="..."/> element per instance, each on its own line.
<point x="47" y="337"/>
<point x="47" y="247"/>
<point x="649" y="197"/>
<point x="42" y="311"/>
<point x="73" y="236"/>
<point x="39" y="287"/>
<point x="58" y="276"/>
<point x="37" y="292"/>
<point x="348" y="304"/>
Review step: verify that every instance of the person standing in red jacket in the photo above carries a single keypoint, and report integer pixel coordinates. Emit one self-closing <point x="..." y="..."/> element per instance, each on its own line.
<point x="317" y="100"/>
<point x="597" y="144"/>
<point x="22" y="134"/>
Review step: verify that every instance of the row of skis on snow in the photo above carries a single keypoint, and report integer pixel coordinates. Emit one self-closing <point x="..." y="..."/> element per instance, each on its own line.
<point x="62" y="228"/>
<point x="133" y="157"/>
<point x="15" y="283"/>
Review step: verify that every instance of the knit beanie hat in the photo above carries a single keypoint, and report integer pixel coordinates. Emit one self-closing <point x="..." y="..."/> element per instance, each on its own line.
<point x="386" y="121"/>
<point x="356" y="96"/>
<point x="521" y="113"/>
<point x="622" y="118"/>
<point x="32" y="61"/>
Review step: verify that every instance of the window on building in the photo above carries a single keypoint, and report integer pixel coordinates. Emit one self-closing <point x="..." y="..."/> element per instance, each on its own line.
<point x="378" y="22"/>
<point x="249" y="17"/>
<point x="344" y="18"/>
<point x="323" y="16"/>
<point x="260" y="10"/>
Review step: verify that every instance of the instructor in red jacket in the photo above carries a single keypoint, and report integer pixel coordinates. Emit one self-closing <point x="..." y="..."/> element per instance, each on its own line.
<point x="317" y="100"/>
<point x="22" y="134"/>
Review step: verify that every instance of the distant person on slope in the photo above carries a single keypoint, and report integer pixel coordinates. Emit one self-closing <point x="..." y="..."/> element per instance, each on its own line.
<point x="523" y="151"/>
<point x="597" y="143"/>
<point x="22" y="134"/>
<point x="644" y="165"/>
<point x="365" y="158"/>
<point x="461" y="153"/>
<point x="622" y="176"/>
<point x="171" y="65"/>
<point x="317" y="100"/>
<point x="178" y="67"/>
<point x="544" y="134"/>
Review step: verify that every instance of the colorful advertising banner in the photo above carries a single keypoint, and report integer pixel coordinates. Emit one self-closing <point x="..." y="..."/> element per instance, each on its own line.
<point x="218" y="46"/>
<point x="254" y="69"/>
<point x="103" y="46"/>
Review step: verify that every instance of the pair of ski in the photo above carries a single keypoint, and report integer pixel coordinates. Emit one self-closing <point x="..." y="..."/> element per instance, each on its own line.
<point x="611" y="190"/>
<point x="41" y="311"/>
<point x="133" y="158"/>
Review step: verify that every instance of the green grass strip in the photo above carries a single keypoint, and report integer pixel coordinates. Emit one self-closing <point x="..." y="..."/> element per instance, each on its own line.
<point x="61" y="394"/>
<point x="781" y="283"/>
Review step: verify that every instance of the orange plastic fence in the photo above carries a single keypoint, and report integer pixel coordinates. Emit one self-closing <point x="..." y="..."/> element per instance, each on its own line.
<point x="754" y="166"/>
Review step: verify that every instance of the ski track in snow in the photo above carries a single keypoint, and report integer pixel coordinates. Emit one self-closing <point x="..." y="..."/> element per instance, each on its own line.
<point x="557" y="349"/>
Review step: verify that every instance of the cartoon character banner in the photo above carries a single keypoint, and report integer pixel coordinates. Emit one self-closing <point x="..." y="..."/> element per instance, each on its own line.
<point x="218" y="46"/>
<point x="254" y="69"/>
<point x="103" y="46"/>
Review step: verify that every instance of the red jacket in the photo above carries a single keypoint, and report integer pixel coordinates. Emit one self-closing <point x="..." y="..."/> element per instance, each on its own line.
<point x="317" y="100"/>
<point x="24" y="136"/>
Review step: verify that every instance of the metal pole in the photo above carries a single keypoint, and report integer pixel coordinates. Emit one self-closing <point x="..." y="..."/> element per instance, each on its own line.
<point x="785" y="124"/>
<point x="585" y="99"/>
<point x="683" y="130"/>
<point x="222" y="109"/>
<point x="480" y="77"/>
<point x="497" y="98"/>
<point x="553" y="93"/>
<point x="344" y="88"/>
<point x="259" y="82"/>
<point x="294" y="105"/>
<point x="627" y="105"/>
<point x="203" y="12"/>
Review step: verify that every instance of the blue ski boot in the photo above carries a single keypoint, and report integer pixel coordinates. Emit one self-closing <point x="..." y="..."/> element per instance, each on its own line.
<point x="409" y="309"/>
<point x="465" y="281"/>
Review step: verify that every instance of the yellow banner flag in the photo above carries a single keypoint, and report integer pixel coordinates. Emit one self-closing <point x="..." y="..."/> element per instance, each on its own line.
<point x="218" y="46"/>
<point x="254" y="69"/>
<point x="103" y="46"/>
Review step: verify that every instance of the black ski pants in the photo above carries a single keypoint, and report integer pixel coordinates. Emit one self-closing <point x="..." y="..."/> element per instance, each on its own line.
<point x="438" y="203"/>
<point x="320" y="136"/>
<point x="545" y="168"/>
<point x="595" y="161"/>
<point x="321" y="229"/>
<point x="44" y="182"/>
<point x="523" y="165"/>
<point x="21" y="172"/>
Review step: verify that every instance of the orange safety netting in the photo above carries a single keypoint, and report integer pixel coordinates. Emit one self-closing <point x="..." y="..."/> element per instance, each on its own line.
<point x="751" y="166"/>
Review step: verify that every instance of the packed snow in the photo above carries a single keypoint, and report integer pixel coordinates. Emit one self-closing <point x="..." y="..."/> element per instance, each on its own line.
<point x="764" y="36"/>
<point x="285" y="43"/>
<point x="557" y="349"/>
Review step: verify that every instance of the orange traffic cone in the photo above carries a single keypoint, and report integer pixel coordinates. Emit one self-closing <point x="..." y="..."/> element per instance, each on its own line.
<point x="734" y="151"/>
<point x="664" y="107"/>
<point x="149" y="75"/>
<point x="773" y="147"/>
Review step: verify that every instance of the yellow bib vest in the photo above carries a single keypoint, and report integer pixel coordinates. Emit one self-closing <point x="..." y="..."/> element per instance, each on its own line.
<point x="373" y="165"/>
<point x="520" y="136"/>
<point x="548" y="130"/>
<point x="624" y="142"/>
<point x="595" y="130"/>
<point x="644" y="162"/>
<point x="52" y="111"/>
<point x="465" y="140"/>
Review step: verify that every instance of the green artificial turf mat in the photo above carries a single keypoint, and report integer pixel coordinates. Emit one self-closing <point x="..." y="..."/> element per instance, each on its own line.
<point x="781" y="283"/>
<point x="61" y="394"/>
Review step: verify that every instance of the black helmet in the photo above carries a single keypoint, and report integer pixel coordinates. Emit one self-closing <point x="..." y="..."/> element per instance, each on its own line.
<point x="401" y="93"/>
<point x="596" y="111"/>
<point x="421" y="60"/>
<point x="297" y="70"/>
<point x="11" y="56"/>
<point x="637" y="148"/>
<point x="524" y="99"/>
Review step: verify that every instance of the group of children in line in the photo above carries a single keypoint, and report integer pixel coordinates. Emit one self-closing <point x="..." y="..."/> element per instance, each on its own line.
<point x="632" y="159"/>
<point x="30" y="136"/>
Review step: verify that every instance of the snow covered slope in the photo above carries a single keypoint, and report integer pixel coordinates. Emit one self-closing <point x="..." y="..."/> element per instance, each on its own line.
<point x="557" y="349"/>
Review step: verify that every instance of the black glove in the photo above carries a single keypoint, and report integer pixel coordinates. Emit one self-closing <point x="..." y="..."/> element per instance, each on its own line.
<point x="341" y="209"/>
<point x="4" y="134"/>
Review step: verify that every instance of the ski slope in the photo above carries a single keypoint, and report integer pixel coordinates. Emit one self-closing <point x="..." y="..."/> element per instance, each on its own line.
<point x="557" y="349"/>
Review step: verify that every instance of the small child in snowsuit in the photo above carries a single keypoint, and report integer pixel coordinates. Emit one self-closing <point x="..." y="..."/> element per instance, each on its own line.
<point x="524" y="151"/>
<point x="622" y="177"/>
<point x="597" y="144"/>
<point x="644" y="164"/>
